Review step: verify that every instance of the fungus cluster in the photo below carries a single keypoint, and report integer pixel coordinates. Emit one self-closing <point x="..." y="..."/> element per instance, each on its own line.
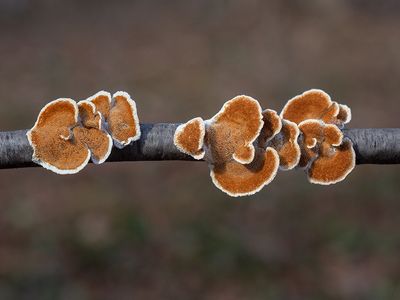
<point x="68" y="134"/>
<point x="326" y="156"/>
<point x="227" y="142"/>
<point x="245" y="146"/>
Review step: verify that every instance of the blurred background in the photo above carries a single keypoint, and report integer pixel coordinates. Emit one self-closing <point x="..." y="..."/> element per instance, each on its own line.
<point x="161" y="230"/>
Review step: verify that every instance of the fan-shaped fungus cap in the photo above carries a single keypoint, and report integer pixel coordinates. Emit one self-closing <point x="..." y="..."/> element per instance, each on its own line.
<point x="272" y="126"/>
<point x="102" y="101"/>
<point x="328" y="158"/>
<point x="91" y="134"/>
<point x="232" y="131"/>
<point x="237" y="167"/>
<point x="53" y="145"/>
<point x="287" y="146"/>
<point x="316" y="135"/>
<point x="238" y="179"/>
<point x="316" y="104"/>
<point x="123" y="121"/>
<point x="189" y="138"/>
<point x="120" y="115"/>
<point x="316" y="131"/>
<point x="334" y="165"/>
<point x="88" y="115"/>
<point x="344" y="115"/>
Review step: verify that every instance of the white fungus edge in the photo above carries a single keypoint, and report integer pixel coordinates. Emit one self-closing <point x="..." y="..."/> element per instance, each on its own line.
<point x="118" y="143"/>
<point x="94" y="111"/>
<point x="352" y="166"/>
<point x="259" y="188"/>
<point x="104" y="125"/>
<point x="104" y="158"/>
<point x="296" y="145"/>
<point x="101" y="128"/>
<point x="278" y="130"/>
<point x="181" y="127"/>
<point x="45" y="164"/>
<point x="347" y="109"/>
<point x="290" y="101"/>
<point x="249" y="143"/>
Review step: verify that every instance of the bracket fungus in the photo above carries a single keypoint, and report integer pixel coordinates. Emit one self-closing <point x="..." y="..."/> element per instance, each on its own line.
<point x="231" y="132"/>
<point x="91" y="132"/>
<point x="238" y="179"/>
<point x="52" y="140"/>
<point x="316" y="104"/>
<point x="237" y="165"/>
<point x="271" y="127"/>
<point x="189" y="138"/>
<point x="120" y="116"/>
<point x="282" y="136"/>
<point x="287" y="146"/>
<point x="243" y="145"/>
<point x="67" y="134"/>
<point x="102" y="101"/>
<point x="327" y="157"/>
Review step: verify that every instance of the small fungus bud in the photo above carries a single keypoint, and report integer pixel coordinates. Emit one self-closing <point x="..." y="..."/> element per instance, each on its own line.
<point x="344" y="114"/>
<point x="189" y="138"/>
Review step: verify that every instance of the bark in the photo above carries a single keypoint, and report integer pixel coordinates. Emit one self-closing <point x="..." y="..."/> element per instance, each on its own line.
<point x="375" y="145"/>
<point x="372" y="146"/>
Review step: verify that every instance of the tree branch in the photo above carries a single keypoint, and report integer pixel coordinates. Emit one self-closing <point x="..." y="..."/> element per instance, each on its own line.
<point x="375" y="145"/>
<point x="372" y="146"/>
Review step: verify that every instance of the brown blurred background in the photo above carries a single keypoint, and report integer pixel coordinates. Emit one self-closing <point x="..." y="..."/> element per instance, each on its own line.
<point x="161" y="230"/>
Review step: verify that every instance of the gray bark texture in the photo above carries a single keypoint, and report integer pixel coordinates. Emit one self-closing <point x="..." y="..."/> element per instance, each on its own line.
<point x="372" y="146"/>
